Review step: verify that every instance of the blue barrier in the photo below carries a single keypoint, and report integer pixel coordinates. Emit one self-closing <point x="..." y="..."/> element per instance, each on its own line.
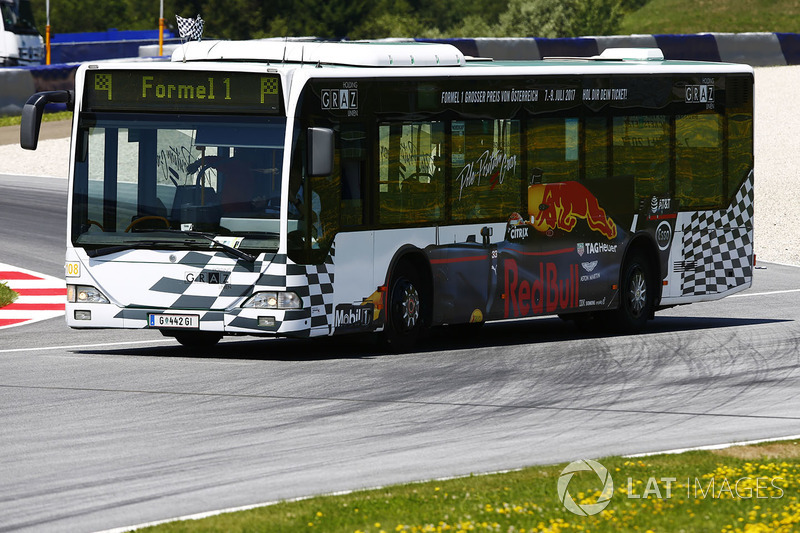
<point x="111" y="44"/>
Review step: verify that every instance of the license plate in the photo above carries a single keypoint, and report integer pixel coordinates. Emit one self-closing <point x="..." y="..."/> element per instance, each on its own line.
<point x="174" y="321"/>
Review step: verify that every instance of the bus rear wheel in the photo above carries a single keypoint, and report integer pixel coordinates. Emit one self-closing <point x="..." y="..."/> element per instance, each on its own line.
<point x="405" y="319"/>
<point x="637" y="295"/>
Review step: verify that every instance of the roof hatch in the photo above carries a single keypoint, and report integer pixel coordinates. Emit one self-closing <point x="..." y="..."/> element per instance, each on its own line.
<point x="352" y="53"/>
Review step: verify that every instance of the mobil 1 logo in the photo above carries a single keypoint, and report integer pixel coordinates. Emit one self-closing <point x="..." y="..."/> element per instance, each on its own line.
<point x="341" y="99"/>
<point x="354" y="317"/>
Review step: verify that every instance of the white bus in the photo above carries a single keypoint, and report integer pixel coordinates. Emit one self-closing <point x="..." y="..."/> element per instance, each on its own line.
<point x="307" y="189"/>
<point x="20" y="42"/>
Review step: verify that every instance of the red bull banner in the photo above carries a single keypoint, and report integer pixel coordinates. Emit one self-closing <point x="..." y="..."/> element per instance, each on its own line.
<point x="547" y="291"/>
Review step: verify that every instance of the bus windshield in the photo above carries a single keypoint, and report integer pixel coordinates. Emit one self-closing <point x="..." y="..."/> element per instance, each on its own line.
<point x="151" y="180"/>
<point x="18" y="21"/>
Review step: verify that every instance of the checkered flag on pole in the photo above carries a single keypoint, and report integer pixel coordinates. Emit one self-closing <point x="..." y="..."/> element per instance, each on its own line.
<point x="190" y="29"/>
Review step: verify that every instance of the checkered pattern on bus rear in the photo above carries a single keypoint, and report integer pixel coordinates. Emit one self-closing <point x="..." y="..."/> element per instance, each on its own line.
<point x="720" y="245"/>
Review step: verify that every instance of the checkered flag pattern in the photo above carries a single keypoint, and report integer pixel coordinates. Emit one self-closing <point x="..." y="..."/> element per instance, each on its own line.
<point x="102" y="82"/>
<point x="190" y="29"/>
<point x="720" y="244"/>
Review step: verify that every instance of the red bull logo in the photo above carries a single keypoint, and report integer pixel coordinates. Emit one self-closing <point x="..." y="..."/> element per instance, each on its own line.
<point x="560" y="205"/>
<point x="549" y="293"/>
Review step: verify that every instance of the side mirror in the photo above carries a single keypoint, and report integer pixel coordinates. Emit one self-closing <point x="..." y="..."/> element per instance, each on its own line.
<point x="32" y="113"/>
<point x="320" y="152"/>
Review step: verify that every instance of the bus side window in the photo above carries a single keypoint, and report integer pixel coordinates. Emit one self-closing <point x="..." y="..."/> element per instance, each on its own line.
<point x="486" y="169"/>
<point x="553" y="146"/>
<point x="641" y="150"/>
<point x="698" y="160"/>
<point x="411" y="178"/>
<point x="353" y="161"/>
<point x="597" y="147"/>
<point x="739" y="114"/>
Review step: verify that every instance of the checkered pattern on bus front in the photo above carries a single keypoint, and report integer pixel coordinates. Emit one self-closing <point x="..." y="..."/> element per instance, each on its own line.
<point x="187" y="295"/>
<point x="720" y="245"/>
<point x="314" y="283"/>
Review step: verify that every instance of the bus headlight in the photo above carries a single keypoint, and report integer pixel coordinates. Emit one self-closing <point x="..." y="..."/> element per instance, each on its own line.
<point x="274" y="300"/>
<point x="85" y="294"/>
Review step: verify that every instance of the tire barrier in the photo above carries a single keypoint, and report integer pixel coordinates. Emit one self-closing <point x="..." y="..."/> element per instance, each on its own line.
<point x="756" y="49"/>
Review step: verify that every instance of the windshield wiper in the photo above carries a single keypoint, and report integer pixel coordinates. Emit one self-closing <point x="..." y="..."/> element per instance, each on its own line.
<point x="224" y="247"/>
<point x="151" y="243"/>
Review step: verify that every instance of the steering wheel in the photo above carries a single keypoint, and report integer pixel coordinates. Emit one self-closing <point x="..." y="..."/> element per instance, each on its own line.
<point x="149" y="217"/>
<point x="95" y="223"/>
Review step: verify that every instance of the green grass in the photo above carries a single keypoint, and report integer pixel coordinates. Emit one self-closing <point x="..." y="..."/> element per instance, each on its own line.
<point x="704" y="496"/>
<point x="7" y="295"/>
<point x="13" y="120"/>
<point x="695" y="16"/>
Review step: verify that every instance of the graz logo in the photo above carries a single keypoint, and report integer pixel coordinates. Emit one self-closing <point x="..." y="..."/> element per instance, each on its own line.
<point x="208" y="276"/>
<point x="663" y="235"/>
<point x="354" y="317"/>
<point x="339" y="99"/>
<point x="699" y="94"/>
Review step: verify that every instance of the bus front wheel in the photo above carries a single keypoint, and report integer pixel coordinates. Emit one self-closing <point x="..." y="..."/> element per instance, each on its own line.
<point x="195" y="339"/>
<point x="405" y="320"/>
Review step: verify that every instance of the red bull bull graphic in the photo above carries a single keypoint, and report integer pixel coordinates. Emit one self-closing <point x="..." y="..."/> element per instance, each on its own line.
<point x="560" y="205"/>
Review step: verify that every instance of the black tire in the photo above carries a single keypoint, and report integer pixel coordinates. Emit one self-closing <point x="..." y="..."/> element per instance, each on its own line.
<point x="196" y="339"/>
<point x="405" y="320"/>
<point x="637" y="295"/>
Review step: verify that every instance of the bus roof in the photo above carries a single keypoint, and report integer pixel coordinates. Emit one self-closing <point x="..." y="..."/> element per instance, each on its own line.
<point x="409" y="54"/>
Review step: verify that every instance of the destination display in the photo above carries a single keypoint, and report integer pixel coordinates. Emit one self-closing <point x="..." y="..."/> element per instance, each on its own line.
<point x="183" y="91"/>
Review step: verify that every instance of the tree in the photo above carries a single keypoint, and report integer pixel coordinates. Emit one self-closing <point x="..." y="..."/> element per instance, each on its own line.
<point x="339" y="19"/>
<point x="560" y="18"/>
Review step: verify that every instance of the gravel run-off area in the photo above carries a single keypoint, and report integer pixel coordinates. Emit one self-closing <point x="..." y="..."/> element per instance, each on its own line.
<point x="777" y="163"/>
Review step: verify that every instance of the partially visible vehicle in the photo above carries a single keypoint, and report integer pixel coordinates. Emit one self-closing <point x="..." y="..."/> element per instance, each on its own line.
<point x="20" y="42"/>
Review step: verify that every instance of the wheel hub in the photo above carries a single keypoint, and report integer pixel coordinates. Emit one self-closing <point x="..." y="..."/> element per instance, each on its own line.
<point x="638" y="293"/>
<point x="410" y="306"/>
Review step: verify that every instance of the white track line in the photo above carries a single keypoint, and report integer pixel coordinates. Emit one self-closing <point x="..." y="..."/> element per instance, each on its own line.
<point x="81" y="346"/>
<point x="742" y="295"/>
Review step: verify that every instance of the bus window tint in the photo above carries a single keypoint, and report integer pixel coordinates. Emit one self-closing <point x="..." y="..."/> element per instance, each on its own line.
<point x="411" y="178"/>
<point x="553" y="148"/>
<point x="596" y="134"/>
<point x="353" y="161"/>
<point x="740" y="146"/>
<point x="641" y="150"/>
<point x="698" y="160"/>
<point x="486" y="169"/>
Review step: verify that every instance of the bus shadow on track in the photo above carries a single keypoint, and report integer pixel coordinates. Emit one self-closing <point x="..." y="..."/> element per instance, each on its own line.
<point x="366" y="346"/>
